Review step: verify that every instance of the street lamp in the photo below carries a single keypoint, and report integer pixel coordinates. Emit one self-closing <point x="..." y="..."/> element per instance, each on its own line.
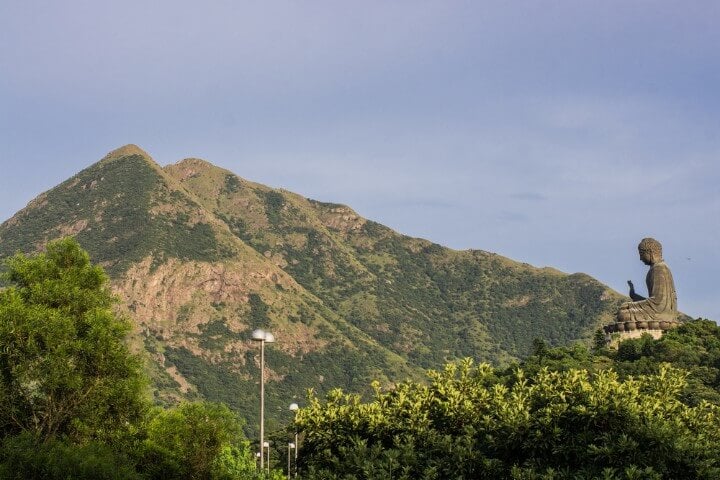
<point x="294" y="408"/>
<point x="263" y="337"/>
<point x="267" y="445"/>
<point x="290" y="446"/>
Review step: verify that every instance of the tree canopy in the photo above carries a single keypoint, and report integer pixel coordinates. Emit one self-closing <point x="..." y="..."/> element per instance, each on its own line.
<point x="64" y="366"/>
<point x="196" y="441"/>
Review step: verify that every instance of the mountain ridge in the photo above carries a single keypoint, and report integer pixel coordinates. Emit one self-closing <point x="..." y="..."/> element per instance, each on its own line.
<point x="200" y="257"/>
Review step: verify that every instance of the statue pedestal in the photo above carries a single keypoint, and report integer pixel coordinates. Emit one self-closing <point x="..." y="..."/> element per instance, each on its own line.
<point x="619" y="331"/>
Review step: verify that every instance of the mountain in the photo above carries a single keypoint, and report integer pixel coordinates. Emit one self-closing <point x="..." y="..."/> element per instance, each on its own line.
<point x="200" y="257"/>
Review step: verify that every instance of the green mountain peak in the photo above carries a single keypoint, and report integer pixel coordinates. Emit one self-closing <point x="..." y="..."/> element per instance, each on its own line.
<point x="200" y="257"/>
<point x="126" y="151"/>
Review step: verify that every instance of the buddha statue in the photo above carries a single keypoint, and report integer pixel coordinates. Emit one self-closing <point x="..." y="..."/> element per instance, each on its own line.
<point x="659" y="309"/>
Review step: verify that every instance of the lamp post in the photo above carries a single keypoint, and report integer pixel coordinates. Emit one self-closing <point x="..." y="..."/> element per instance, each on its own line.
<point x="290" y="446"/>
<point x="294" y="408"/>
<point x="263" y="337"/>
<point x="267" y="445"/>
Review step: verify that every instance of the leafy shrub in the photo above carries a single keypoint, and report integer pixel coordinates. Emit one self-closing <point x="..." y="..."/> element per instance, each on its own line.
<point x="467" y="424"/>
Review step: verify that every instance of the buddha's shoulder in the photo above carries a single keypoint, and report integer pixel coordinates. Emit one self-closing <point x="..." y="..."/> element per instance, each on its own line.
<point x="660" y="266"/>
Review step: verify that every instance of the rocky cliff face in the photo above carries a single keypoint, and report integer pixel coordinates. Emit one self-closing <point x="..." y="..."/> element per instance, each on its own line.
<point x="200" y="257"/>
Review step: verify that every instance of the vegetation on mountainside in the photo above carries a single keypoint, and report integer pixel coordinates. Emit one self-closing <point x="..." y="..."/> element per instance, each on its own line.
<point x="693" y="347"/>
<point x="564" y="413"/>
<point x="121" y="210"/>
<point x="201" y="257"/>
<point x="72" y="396"/>
<point x="221" y="382"/>
<point x="397" y="288"/>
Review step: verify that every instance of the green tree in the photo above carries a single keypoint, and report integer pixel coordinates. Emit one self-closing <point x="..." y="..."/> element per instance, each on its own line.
<point x="198" y="440"/>
<point x="64" y="367"/>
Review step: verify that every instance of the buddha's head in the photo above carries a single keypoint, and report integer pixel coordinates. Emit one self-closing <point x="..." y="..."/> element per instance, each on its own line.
<point x="650" y="251"/>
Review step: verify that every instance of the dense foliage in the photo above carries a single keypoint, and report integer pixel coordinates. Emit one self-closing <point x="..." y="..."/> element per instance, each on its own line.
<point x="64" y="369"/>
<point x="24" y="457"/>
<point x="196" y="441"/>
<point x="467" y="422"/>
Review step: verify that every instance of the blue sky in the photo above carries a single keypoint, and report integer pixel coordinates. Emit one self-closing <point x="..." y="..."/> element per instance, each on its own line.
<point x="558" y="133"/>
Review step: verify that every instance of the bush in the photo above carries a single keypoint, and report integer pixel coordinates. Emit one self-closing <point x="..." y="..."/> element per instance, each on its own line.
<point x="466" y="423"/>
<point x="25" y="457"/>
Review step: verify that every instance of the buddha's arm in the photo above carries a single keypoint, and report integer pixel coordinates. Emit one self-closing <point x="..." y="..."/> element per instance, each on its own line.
<point x="635" y="297"/>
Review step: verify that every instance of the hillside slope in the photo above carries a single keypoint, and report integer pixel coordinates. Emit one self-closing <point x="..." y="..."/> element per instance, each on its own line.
<point x="200" y="257"/>
<point x="396" y="288"/>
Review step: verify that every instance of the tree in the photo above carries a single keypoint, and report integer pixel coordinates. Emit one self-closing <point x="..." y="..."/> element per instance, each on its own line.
<point x="199" y="440"/>
<point x="64" y="367"/>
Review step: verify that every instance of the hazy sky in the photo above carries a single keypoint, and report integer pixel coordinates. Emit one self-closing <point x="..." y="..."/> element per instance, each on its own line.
<point x="557" y="133"/>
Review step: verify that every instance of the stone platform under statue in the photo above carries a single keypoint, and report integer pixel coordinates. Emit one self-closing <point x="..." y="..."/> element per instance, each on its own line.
<point x="655" y="314"/>
<point x="630" y="326"/>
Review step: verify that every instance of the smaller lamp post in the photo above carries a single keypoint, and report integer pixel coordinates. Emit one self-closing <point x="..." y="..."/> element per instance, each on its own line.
<point x="267" y="445"/>
<point x="291" y="445"/>
<point x="294" y="408"/>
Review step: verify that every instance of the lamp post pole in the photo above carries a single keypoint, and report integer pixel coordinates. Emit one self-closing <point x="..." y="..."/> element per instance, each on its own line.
<point x="262" y="398"/>
<point x="290" y="446"/>
<point x="294" y="408"/>
<point x="263" y="337"/>
<point x="267" y="444"/>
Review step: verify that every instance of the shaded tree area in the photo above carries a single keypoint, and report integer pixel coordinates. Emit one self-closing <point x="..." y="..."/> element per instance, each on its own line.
<point x="73" y="398"/>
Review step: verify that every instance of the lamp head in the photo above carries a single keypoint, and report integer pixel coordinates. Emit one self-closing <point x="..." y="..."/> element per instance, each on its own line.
<point x="259" y="335"/>
<point x="269" y="337"/>
<point x="294" y="407"/>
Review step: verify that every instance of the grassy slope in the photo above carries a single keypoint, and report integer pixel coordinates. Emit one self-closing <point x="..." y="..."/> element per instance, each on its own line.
<point x="350" y="299"/>
<point x="397" y="288"/>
